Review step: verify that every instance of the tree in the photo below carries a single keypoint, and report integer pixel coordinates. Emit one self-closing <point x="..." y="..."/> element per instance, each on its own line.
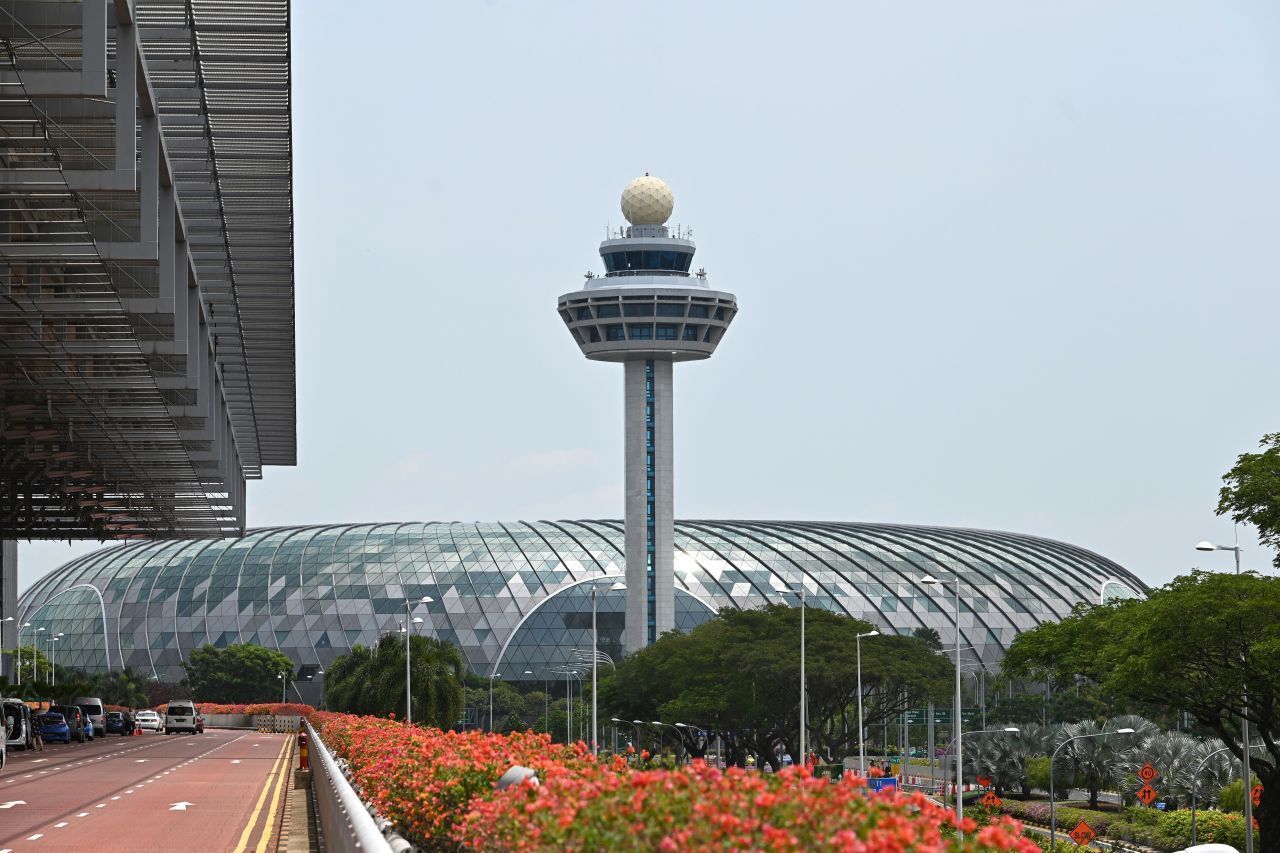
<point x="1195" y="645"/>
<point x="372" y="681"/>
<point x="242" y="672"/>
<point x="1252" y="493"/>
<point x="930" y="637"/>
<point x="739" y="675"/>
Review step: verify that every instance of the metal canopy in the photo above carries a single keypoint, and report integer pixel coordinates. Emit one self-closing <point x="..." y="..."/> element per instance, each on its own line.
<point x="146" y="270"/>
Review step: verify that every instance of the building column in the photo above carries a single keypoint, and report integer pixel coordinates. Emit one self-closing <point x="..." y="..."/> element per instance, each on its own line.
<point x="8" y="603"/>
<point x="664" y="615"/>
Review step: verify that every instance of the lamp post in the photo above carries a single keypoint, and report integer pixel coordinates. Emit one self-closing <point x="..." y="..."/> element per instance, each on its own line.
<point x="35" y="656"/>
<point x="959" y="723"/>
<point x="1244" y="720"/>
<point x="1195" y="788"/>
<point x="18" y="675"/>
<point x="492" y="676"/>
<point x="1053" y="816"/>
<point x="862" y="748"/>
<point x="283" y="684"/>
<point x="595" y="659"/>
<point x="53" y="662"/>
<point x="804" y="705"/>
<point x="409" y="619"/>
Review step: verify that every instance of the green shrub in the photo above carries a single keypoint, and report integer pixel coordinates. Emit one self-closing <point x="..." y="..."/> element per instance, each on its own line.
<point x="1232" y="797"/>
<point x="1172" y="830"/>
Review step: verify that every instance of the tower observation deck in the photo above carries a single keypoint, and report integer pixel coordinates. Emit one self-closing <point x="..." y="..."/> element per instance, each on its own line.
<point x="648" y="311"/>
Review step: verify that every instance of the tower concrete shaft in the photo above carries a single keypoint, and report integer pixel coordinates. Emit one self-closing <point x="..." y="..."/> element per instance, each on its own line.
<point x="650" y="513"/>
<point x="647" y="312"/>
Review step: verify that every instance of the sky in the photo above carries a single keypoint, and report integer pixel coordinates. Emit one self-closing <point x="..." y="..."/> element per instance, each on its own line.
<point x="1007" y="265"/>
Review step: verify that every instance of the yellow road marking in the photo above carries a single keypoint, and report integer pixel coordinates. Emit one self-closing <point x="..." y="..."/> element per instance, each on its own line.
<point x="269" y="824"/>
<point x="257" y="809"/>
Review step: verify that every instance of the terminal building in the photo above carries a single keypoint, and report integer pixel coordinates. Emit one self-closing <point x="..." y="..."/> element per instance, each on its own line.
<point x="515" y="597"/>
<point x="146" y="268"/>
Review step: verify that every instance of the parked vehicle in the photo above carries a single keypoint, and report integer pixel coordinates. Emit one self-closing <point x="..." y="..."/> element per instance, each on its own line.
<point x="92" y="706"/>
<point x="76" y="722"/>
<point x="18" y="724"/>
<point x="119" y="723"/>
<point x="149" y="720"/>
<point x="181" y="716"/>
<point x="53" y="727"/>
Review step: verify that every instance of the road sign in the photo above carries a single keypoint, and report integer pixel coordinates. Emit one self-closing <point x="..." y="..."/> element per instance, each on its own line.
<point x="1146" y="793"/>
<point x="990" y="800"/>
<point x="1256" y="795"/>
<point x="1083" y="834"/>
<point x="1147" y="773"/>
<point x="984" y="781"/>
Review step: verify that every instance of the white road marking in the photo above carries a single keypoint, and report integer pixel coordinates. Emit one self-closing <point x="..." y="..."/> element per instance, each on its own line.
<point x="36" y="837"/>
<point x="59" y="825"/>
<point x="83" y="814"/>
<point x="180" y="807"/>
<point x="12" y="803"/>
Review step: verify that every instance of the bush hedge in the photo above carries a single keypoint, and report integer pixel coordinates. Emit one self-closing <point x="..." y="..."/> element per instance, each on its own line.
<point x="437" y="789"/>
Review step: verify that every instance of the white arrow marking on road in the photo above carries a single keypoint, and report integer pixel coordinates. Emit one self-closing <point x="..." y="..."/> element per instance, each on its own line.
<point x="38" y="760"/>
<point x="180" y="807"/>
<point x="140" y="760"/>
<point x="12" y="803"/>
<point x="235" y="761"/>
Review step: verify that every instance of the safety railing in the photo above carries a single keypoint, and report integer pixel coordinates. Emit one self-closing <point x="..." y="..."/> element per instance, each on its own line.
<point x="347" y="822"/>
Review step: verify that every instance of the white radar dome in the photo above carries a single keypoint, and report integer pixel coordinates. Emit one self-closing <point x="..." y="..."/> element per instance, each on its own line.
<point x="647" y="201"/>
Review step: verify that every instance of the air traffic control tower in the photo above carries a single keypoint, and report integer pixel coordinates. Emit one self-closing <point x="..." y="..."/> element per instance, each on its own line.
<point x="647" y="312"/>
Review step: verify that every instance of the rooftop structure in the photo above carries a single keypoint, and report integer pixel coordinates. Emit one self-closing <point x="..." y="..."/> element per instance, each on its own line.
<point x="516" y="596"/>
<point x="146" y="324"/>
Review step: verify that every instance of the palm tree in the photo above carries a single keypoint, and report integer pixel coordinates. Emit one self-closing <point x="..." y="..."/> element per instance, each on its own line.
<point x="371" y="681"/>
<point x="1092" y="759"/>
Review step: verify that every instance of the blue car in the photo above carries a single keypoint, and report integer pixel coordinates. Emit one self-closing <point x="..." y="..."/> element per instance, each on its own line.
<point x="53" y="727"/>
<point x="119" y="723"/>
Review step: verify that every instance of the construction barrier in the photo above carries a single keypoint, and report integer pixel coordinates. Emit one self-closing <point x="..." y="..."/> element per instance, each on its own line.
<point x="271" y="724"/>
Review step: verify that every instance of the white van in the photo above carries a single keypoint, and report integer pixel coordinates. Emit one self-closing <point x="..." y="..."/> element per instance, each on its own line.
<point x="180" y="716"/>
<point x="94" y="711"/>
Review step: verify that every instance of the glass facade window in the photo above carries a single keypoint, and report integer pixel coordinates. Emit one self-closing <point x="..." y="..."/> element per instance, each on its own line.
<point x="594" y="335"/>
<point x="637" y="309"/>
<point x="699" y="311"/>
<point x="640" y="332"/>
<point x="720" y="313"/>
<point x="521" y="591"/>
<point x="690" y="333"/>
<point x="607" y="310"/>
<point x="665" y="332"/>
<point x="584" y="313"/>
<point x="614" y="332"/>
<point x="670" y="309"/>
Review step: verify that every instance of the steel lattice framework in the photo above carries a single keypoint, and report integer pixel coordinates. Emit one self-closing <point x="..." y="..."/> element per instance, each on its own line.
<point x="146" y="269"/>
<point x="516" y="596"/>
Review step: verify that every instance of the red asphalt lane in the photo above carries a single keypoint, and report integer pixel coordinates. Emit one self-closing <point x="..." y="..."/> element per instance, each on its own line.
<point x="119" y="793"/>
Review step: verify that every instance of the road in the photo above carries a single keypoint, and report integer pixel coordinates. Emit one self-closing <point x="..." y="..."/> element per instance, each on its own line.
<point x="219" y="791"/>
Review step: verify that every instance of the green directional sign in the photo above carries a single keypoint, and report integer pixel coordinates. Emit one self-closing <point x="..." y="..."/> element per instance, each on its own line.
<point x="942" y="716"/>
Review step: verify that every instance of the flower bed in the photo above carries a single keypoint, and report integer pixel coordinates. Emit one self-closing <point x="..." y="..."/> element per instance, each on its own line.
<point x="437" y="789"/>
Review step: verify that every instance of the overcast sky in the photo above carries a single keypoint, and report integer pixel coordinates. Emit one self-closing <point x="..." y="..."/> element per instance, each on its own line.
<point x="1007" y="265"/>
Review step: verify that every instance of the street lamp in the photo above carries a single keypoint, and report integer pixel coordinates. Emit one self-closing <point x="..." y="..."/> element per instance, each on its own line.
<point x="1244" y="719"/>
<point x="1195" y="788"/>
<point x="408" y="678"/>
<point x="19" y="641"/>
<point x="283" y="684"/>
<point x="492" y="676"/>
<point x="1053" y="817"/>
<point x="959" y="723"/>
<point x="862" y="748"/>
<point x="53" y="663"/>
<point x="595" y="660"/>
<point x="804" y="705"/>
<point x="35" y="656"/>
<point x="957" y="756"/>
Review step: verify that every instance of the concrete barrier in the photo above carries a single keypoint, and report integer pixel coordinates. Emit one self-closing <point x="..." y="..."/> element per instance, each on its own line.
<point x="228" y="721"/>
<point x="272" y="724"/>
<point x="347" y="822"/>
